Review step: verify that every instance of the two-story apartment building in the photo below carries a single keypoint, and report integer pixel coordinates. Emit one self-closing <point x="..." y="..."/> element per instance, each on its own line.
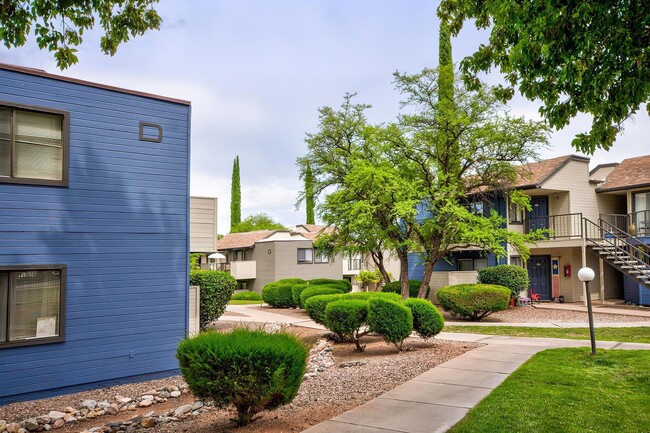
<point x="260" y="257"/>
<point x="592" y="219"/>
<point x="94" y="237"/>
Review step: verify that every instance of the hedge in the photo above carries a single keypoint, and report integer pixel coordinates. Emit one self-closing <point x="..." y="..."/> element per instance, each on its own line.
<point x="216" y="289"/>
<point x="296" y="290"/>
<point x="427" y="320"/>
<point x="251" y="370"/>
<point x="278" y="294"/>
<point x="246" y="296"/>
<point x="318" y="291"/>
<point x="396" y="287"/>
<point x="474" y="301"/>
<point x="391" y="319"/>
<point x="344" y="285"/>
<point x="344" y="317"/>
<point x="316" y="305"/>
<point x="513" y="277"/>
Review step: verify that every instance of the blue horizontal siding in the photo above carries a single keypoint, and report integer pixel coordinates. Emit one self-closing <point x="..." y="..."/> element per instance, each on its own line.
<point x="121" y="229"/>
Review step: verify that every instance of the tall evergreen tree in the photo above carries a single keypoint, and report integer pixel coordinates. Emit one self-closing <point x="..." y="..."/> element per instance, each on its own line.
<point x="309" y="195"/>
<point x="235" y="195"/>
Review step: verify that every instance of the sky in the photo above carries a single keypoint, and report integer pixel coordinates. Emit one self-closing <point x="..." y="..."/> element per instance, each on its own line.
<point x="256" y="72"/>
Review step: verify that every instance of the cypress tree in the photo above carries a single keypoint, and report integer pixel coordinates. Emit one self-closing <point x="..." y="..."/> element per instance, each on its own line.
<point x="235" y="195"/>
<point x="309" y="195"/>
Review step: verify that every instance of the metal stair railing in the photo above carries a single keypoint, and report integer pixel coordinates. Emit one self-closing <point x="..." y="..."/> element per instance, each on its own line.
<point x="625" y="255"/>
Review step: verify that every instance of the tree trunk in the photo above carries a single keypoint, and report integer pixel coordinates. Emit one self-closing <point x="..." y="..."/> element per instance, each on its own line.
<point x="378" y="260"/>
<point x="426" y="279"/>
<point x="404" y="273"/>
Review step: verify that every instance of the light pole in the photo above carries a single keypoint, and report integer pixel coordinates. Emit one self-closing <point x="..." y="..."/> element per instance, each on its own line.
<point x="586" y="275"/>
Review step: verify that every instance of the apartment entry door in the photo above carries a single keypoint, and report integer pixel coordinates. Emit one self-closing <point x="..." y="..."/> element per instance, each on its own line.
<point x="539" y="272"/>
<point x="538" y="216"/>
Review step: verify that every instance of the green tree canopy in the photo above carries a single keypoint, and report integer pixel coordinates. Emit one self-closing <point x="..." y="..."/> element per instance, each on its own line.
<point x="309" y="196"/>
<point x="59" y="25"/>
<point x="260" y="221"/>
<point x="589" y="56"/>
<point x="235" y="195"/>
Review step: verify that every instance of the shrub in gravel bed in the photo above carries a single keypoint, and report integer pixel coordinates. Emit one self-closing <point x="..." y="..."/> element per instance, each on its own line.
<point x="216" y="289"/>
<point x="344" y="285"/>
<point x="427" y="320"/>
<point x="315" y="306"/>
<point x="317" y="291"/>
<point x="278" y="294"/>
<point x="474" y="301"/>
<point x="391" y="319"/>
<point x="250" y="370"/>
<point x="396" y="287"/>
<point x="246" y="296"/>
<point x="296" y="290"/>
<point x="345" y="318"/>
<point x="513" y="277"/>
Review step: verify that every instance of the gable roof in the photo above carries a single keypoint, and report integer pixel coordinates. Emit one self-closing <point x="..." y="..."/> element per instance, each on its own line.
<point x="312" y="231"/>
<point x="534" y="174"/>
<point x="242" y="240"/>
<point x="631" y="173"/>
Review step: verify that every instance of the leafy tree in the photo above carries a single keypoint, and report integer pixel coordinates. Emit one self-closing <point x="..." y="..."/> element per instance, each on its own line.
<point x="260" y="221"/>
<point x="235" y="196"/>
<point x="59" y="25"/>
<point x="590" y="56"/>
<point x="309" y="195"/>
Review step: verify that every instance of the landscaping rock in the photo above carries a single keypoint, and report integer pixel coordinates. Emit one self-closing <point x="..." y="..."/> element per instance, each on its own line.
<point x="148" y="422"/>
<point x="3" y="426"/>
<point x="182" y="410"/>
<point x="31" y="424"/>
<point x="58" y="423"/>
<point x="55" y="414"/>
<point x="89" y="404"/>
<point x="13" y="427"/>
<point x="175" y="394"/>
<point x="145" y="403"/>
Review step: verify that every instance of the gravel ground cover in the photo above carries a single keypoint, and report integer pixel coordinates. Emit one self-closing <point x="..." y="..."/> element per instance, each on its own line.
<point x="350" y="380"/>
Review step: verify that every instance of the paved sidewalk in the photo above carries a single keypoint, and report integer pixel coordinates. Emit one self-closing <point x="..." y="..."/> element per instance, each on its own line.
<point x="250" y="313"/>
<point x="579" y="306"/>
<point x="436" y="400"/>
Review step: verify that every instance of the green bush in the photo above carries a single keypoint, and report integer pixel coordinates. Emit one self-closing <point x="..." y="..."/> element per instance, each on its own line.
<point x="392" y="320"/>
<point x="317" y="291"/>
<point x="315" y="306"/>
<point x="296" y="290"/>
<point x="344" y="285"/>
<point x="246" y="296"/>
<point x="278" y="294"/>
<point x="513" y="277"/>
<point x="474" y="301"/>
<point x="251" y="370"/>
<point x="427" y="320"/>
<point x="216" y="289"/>
<point x="396" y="287"/>
<point x="345" y="316"/>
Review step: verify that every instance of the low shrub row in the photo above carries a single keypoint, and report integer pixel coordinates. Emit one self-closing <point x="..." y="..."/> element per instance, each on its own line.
<point x="216" y="289"/>
<point x="246" y="296"/>
<point x="513" y="277"/>
<point x="289" y="292"/>
<point x="396" y="287"/>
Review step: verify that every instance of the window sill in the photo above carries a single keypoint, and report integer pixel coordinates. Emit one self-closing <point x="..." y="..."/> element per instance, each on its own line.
<point x="32" y="342"/>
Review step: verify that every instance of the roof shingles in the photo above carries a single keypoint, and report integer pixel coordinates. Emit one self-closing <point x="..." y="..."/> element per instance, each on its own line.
<point x="631" y="173"/>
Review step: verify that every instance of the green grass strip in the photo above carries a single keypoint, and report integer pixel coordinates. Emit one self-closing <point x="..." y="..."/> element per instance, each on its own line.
<point x="244" y="302"/>
<point x="629" y="335"/>
<point x="569" y="391"/>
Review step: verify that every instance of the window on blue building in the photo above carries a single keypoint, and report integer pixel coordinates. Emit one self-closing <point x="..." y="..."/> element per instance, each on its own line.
<point x="31" y="306"/>
<point x="33" y="146"/>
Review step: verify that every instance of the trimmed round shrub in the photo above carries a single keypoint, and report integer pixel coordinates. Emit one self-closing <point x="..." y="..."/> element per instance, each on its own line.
<point x="392" y="320"/>
<point x="250" y="370"/>
<point x="344" y="317"/>
<point x="427" y="320"/>
<point x="315" y="306"/>
<point x="396" y="287"/>
<point x="296" y="290"/>
<point x="216" y="289"/>
<point x="246" y="296"/>
<point x="474" y="301"/>
<point x="344" y="285"/>
<point x="278" y="294"/>
<point x="513" y="277"/>
<point x="317" y="291"/>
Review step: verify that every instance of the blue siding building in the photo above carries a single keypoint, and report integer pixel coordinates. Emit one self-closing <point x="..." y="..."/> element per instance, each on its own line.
<point x="94" y="199"/>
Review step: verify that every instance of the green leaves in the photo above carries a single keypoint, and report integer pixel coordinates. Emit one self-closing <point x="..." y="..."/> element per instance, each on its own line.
<point x="579" y="57"/>
<point x="260" y="221"/>
<point x="235" y="200"/>
<point x="59" y="26"/>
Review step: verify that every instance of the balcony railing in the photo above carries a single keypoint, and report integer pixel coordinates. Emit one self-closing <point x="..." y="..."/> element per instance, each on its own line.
<point x="634" y="224"/>
<point x="558" y="226"/>
<point x="354" y="264"/>
<point x="216" y="267"/>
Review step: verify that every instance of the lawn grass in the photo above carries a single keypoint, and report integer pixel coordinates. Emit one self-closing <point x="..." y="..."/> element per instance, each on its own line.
<point x="244" y="302"/>
<point x="628" y="335"/>
<point x="569" y="391"/>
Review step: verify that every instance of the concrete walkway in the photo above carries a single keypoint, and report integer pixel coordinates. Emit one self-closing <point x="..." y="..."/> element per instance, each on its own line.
<point x="436" y="400"/>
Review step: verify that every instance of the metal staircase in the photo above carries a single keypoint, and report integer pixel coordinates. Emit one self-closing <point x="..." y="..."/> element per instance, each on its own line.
<point x="619" y="249"/>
